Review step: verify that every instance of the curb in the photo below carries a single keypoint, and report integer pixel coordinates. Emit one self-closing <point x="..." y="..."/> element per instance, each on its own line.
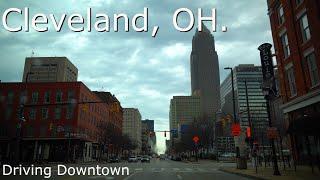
<point x="243" y="175"/>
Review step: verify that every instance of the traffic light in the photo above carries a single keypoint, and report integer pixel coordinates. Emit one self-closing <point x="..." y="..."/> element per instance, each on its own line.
<point x="165" y="134"/>
<point x="248" y="133"/>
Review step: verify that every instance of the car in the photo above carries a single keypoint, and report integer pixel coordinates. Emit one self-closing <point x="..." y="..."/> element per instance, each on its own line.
<point x="133" y="159"/>
<point x="145" y="159"/>
<point x="114" y="160"/>
<point x="162" y="157"/>
<point x="139" y="157"/>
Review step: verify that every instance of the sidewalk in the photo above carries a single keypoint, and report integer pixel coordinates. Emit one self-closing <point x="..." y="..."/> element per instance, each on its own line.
<point x="302" y="173"/>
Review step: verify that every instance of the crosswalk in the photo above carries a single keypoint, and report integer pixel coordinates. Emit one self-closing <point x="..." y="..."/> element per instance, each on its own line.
<point x="191" y="170"/>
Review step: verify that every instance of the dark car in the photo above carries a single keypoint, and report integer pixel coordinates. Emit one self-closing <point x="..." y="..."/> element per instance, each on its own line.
<point x="133" y="159"/>
<point x="114" y="160"/>
<point x="145" y="159"/>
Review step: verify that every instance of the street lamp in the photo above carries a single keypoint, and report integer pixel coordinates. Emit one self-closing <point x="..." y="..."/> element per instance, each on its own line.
<point x="267" y="92"/>
<point x="233" y="96"/>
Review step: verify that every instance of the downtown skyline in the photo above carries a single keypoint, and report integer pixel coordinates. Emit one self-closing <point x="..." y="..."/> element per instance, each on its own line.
<point x="137" y="68"/>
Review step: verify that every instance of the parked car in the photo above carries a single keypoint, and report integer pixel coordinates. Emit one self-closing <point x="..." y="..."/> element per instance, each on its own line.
<point x="133" y="159"/>
<point x="145" y="159"/>
<point x="114" y="160"/>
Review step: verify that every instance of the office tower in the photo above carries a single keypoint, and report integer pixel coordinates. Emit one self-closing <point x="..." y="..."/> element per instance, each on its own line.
<point x="183" y="111"/>
<point x="132" y="126"/>
<point x="49" y="69"/>
<point x="205" y="78"/>
<point x="246" y="76"/>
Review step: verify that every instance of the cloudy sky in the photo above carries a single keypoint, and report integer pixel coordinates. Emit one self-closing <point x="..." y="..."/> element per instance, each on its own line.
<point x="142" y="71"/>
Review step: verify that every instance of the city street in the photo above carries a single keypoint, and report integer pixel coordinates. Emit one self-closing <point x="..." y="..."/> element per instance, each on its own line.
<point x="158" y="170"/>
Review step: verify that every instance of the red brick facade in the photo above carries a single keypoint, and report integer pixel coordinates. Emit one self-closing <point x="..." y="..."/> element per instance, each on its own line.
<point x="55" y="111"/>
<point x="295" y="28"/>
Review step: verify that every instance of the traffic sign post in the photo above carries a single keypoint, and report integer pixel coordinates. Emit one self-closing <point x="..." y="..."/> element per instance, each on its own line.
<point x="196" y="139"/>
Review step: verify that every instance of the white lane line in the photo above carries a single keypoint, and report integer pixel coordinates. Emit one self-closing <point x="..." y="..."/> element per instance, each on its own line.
<point x="138" y="169"/>
<point x="179" y="177"/>
<point x="127" y="178"/>
<point x="201" y="170"/>
<point x="176" y="169"/>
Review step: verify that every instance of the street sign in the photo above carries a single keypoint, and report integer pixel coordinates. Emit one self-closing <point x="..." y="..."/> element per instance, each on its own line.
<point x="195" y="139"/>
<point x="235" y="129"/>
<point x="272" y="133"/>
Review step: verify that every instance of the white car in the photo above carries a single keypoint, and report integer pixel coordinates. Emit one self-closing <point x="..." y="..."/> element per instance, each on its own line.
<point x="133" y="159"/>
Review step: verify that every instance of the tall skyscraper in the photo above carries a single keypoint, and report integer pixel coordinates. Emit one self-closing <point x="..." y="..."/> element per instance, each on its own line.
<point x="205" y="78"/>
<point x="49" y="69"/>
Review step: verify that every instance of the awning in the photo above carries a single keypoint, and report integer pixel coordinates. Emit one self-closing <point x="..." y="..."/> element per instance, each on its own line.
<point x="307" y="125"/>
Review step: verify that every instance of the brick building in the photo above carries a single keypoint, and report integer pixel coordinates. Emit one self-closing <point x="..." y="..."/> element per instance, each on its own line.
<point x="295" y="29"/>
<point x="59" y="117"/>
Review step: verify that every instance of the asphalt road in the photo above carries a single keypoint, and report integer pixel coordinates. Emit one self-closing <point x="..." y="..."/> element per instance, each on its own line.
<point x="155" y="170"/>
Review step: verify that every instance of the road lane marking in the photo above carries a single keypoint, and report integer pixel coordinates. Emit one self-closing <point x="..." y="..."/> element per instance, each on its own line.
<point x="201" y="170"/>
<point x="176" y="169"/>
<point x="179" y="177"/>
<point x="109" y="177"/>
<point x="127" y="178"/>
<point x="138" y="169"/>
<point x="157" y="169"/>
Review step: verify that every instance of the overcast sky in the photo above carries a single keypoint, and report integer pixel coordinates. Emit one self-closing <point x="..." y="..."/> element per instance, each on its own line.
<point x="142" y="71"/>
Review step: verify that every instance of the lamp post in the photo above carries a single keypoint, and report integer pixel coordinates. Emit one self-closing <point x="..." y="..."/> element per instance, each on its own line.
<point x="234" y="106"/>
<point x="266" y="93"/>
<point x="233" y="96"/>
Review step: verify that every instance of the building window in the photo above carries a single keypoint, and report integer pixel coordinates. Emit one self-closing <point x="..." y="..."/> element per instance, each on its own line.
<point x="70" y="96"/>
<point x="47" y="97"/>
<point x="305" y="30"/>
<point x="44" y="113"/>
<point x="59" y="97"/>
<point x="285" y="45"/>
<point x="32" y="114"/>
<point x="57" y="113"/>
<point x="281" y="15"/>
<point x="298" y="2"/>
<point x="10" y="97"/>
<point x="34" y="97"/>
<point x="313" y="69"/>
<point x="291" y="81"/>
<point x="69" y="114"/>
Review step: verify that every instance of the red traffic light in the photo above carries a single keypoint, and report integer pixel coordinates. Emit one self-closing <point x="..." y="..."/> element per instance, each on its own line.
<point x="248" y="133"/>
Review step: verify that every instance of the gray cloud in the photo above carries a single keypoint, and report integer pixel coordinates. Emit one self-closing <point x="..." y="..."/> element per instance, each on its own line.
<point x="142" y="71"/>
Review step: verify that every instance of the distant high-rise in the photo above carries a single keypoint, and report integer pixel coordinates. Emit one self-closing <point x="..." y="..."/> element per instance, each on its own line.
<point x="132" y="126"/>
<point x="49" y="69"/>
<point x="205" y="78"/>
<point x="183" y="111"/>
